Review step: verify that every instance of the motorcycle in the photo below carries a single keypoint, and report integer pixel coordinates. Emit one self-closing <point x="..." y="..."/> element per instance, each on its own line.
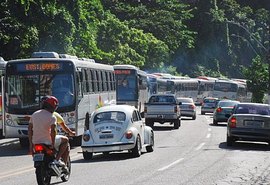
<point x="43" y="158"/>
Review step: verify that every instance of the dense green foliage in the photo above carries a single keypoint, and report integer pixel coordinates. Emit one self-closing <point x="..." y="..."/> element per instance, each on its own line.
<point x="189" y="37"/>
<point x="257" y="82"/>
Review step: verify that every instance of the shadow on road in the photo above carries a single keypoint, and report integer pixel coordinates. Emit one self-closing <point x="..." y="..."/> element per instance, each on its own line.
<point x="246" y="146"/>
<point x="218" y="125"/>
<point x="162" y="128"/>
<point x="114" y="156"/>
<point x="187" y="118"/>
<point x="12" y="148"/>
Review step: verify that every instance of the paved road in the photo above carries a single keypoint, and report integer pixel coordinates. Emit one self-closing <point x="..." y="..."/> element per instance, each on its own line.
<point x="194" y="154"/>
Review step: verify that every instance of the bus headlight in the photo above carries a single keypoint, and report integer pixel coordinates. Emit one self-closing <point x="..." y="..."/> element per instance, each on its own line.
<point x="9" y="122"/>
<point x="71" y="120"/>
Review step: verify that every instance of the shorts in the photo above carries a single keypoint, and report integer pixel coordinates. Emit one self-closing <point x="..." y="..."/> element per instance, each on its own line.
<point x="58" y="140"/>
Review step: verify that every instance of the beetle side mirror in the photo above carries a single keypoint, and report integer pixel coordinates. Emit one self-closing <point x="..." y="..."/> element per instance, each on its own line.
<point x="87" y="121"/>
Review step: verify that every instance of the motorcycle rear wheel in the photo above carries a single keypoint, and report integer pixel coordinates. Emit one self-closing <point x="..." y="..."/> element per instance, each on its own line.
<point x="42" y="175"/>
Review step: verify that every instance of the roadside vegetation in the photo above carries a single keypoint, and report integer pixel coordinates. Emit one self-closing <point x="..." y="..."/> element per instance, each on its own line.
<point x="190" y="37"/>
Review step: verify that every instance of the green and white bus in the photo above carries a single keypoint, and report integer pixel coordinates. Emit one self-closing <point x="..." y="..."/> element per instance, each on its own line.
<point x="80" y="85"/>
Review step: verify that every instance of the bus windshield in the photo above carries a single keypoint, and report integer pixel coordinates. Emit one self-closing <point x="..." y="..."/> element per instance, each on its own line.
<point x="225" y="87"/>
<point x="25" y="91"/>
<point x="126" y="87"/>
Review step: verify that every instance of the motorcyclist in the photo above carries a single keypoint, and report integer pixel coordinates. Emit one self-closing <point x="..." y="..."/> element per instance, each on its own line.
<point x="43" y="129"/>
<point x="62" y="142"/>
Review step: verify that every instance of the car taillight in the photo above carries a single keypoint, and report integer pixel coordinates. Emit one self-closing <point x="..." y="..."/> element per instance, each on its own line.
<point x="145" y="109"/>
<point x="129" y="134"/>
<point x="176" y="109"/>
<point x="232" y="122"/>
<point x="219" y="109"/>
<point x="192" y="106"/>
<point x="39" y="148"/>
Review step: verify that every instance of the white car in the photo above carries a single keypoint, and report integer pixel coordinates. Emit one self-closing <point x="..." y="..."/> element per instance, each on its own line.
<point x="116" y="128"/>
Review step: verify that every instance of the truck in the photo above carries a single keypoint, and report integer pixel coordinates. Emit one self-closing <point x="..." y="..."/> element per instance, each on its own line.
<point x="162" y="108"/>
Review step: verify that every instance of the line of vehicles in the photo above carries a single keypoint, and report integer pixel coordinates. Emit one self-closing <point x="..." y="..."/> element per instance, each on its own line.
<point x="85" y="88"/>
<point x="245" y="121"/>
<point x="82" y="86"/>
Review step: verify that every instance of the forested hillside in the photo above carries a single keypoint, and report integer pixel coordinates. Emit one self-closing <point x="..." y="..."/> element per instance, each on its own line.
<point x="188" y="37"/>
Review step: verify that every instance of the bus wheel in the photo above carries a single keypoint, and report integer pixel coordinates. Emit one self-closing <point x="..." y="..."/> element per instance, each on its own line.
<point x="87" y="155"/>
<point x="24" y="142"/>
<point x="76" y="141"/>
<point x="1" y="134"/>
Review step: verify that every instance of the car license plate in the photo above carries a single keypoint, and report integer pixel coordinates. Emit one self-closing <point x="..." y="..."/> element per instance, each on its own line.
<point x="38" y="157"/>
<point x="254" y="124"/>
<point x="106" y="136"/>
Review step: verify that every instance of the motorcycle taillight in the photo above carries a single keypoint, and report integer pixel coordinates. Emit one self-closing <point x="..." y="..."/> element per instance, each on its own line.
<point x="49" y="151"/>
<point x="39" y="148"/>
<point x="42" y="148"/>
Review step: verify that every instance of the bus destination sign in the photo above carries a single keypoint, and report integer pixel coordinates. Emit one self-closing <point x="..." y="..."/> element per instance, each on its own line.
<point x="122" y="72"/>
<point x="40" y="67"/>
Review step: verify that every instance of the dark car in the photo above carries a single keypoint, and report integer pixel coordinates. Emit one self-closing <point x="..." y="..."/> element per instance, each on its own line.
<point x="208" y="105"/>
<point x="187" y="107"/>
<point x="223" y="108"/>
<point x="249" y="122"/>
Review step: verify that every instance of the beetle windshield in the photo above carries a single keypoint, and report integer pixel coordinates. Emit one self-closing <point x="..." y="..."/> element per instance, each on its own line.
<point x="111" y="116"/>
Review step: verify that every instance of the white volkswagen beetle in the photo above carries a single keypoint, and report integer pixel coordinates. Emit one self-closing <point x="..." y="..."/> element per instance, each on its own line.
<point x="116" y="128"/>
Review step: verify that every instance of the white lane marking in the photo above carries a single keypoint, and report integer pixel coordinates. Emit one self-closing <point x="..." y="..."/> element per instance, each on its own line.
<point x="16" y="172"/>
<point x="27" y="169"/>
<point x="208" y="135"/>
<point x="209" y="129"/>
<point x="200" y="146"/>
<point x="170" y="165"/>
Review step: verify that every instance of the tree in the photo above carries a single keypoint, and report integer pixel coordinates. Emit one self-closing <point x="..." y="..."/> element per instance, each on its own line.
<point x="257" y="79"/>
<point x="130" y="45"/>
<point x="166" y="21"/>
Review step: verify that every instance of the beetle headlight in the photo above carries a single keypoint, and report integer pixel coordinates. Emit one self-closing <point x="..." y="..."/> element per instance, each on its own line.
<point x="129" y="134"/>
<point x="86" y="137"/>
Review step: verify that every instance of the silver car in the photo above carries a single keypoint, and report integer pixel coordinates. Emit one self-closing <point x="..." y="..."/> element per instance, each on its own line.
<point x="187" y="107"/>
<point x="208" y="105"/>
<point x="249" y="122"/>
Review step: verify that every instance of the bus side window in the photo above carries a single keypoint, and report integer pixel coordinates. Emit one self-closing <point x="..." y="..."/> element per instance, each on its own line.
<point x="90" y="80"/>
<point x="100" y="88"/>
<point x="112" y="81"/>
<point x="79" y="83"/>
<point x="98" y="81"/>
<point x="93" y="80"/>
<point x="107" y="84"/>
<point x="85" y="81"/>
<point x="103" y="81"/>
